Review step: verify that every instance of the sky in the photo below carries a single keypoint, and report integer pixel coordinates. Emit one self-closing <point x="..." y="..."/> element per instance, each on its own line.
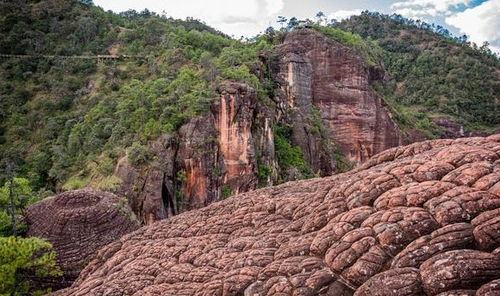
<point x="478" y="19"/>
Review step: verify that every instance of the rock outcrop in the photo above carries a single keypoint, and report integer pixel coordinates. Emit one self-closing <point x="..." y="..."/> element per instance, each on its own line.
<point x="210" y="157"/>
<point x="334" y="79"/>
<point x="325" y="102"/>
<point x="79" y="223"/>
<point x="413" y="220"/>
<point x="235" y="118"/>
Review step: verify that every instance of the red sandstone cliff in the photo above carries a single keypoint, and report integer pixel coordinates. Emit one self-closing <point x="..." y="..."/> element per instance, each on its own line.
<point x="234" y="119"/>
<point x="210" y="156"/>
<point x="323" y="73"/>
<point x="230" y="150"/>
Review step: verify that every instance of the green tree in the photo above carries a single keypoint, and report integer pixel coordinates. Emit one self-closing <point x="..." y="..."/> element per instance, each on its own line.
<point x="320" y="18"/>
<point x="87" y="2"/>
<point x="15" y="195"/>
<point x="22" y="258"/>
<point x="292" y="23"/>
<point x="138" y="154"/>
<point x="282" y="21"/>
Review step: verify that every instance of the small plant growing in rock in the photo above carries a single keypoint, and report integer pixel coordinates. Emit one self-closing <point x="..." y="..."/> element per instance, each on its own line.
<point x="226" y="191"/>
<point x="138" y="154"/>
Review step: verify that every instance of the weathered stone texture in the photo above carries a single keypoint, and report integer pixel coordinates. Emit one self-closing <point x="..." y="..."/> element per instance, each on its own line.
<point x="335" y="79"/>
<point x="392" y="226"/>
<point x="78" y="223"/>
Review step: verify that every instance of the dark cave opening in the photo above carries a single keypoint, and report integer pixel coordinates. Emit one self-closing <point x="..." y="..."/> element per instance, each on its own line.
<point x="168" y="201"/>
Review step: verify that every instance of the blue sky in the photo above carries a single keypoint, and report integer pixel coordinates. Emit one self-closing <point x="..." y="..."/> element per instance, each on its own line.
<point x="479" y="19"/>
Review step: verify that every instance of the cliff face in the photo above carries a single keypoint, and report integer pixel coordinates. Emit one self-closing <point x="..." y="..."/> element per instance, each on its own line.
<point x="151" y="190"/>
<point x="234" y="119"/>
<point x="414" y="220"/>
<point x="324" y="98"/>
<point x="211" y="157"/>
<point x="333" y="78"/>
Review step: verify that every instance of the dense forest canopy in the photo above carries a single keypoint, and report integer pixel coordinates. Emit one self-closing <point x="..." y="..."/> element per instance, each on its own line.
<point x="432" y="71"/>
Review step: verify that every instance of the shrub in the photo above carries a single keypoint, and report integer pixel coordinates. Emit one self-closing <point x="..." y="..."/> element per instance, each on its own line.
<point x="23" y="257"/>
<point x="263" y="172"/>
<point x="15" y="194"/>
<point x="138" y="154"/>
<point x="110" y="183"/>
<point x="74" y="183"/>
<point x="226" y="191"/>
<point x="289" y="156"/>
<point x="368" y="49"/>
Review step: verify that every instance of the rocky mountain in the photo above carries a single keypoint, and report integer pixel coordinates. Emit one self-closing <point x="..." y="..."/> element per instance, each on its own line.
<point x="326" y="75"/>
<point x="175" y="115"/>
<point x="414" y="220"/>
<point x="238" y="135"/>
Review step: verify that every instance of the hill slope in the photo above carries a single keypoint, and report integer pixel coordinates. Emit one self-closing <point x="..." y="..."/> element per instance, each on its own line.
<point x="445" y="80"/>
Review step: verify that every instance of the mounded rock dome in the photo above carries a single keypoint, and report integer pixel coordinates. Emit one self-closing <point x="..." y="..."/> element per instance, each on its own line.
<point x="78" y="223"/>
<point x="416" y="220"/>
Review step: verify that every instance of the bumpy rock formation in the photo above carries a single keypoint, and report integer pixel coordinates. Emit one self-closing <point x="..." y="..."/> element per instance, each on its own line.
<point x="78" y="223"/>
<point x="414" y="220"/>
<point x="322" y="73"/>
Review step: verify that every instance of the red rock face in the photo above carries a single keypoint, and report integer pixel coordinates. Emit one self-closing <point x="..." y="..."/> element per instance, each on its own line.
<point x="151" y="190"/>
<point x="223" y="150"/>
<point x="333" y="78"/>
<point x="78" y="223"/>
<point x="197" y="158"/>
<point x="208" y="154"/>
<point x="413" y="220"/>
<point x="234" y="119"/>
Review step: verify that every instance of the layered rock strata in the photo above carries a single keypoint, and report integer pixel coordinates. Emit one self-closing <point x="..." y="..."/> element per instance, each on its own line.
<point x="323" y="74"/>
<point x="79" y="223"/>
<point x="324" y="97"/>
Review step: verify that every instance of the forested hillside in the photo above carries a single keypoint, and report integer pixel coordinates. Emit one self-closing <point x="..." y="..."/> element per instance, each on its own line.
<point x="60" y="116"/>
<point x="173" y="115"/>
<point x="66" y="123"/>
<point x="433" y="76"/>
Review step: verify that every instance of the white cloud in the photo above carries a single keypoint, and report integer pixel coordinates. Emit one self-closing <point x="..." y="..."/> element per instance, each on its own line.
<point x="427" y="8"/>
<point x="480" y="23"/>
<point x="343" y="14"/>
<point x="233" y="17"/>
<point x="437" y="5"/>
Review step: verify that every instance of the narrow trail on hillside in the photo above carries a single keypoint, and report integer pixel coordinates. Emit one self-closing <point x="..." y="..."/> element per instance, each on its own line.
<point x="79" y="57"/>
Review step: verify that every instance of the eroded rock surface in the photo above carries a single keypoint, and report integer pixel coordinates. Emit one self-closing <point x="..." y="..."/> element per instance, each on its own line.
<point x="337" y="81"/>
<point x="413" y="220"/>
<point x="78" y="223"/>
<point x="212" y="156"/>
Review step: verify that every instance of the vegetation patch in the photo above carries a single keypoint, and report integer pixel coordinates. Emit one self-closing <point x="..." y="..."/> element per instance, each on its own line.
<point x="288" y="155"/>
